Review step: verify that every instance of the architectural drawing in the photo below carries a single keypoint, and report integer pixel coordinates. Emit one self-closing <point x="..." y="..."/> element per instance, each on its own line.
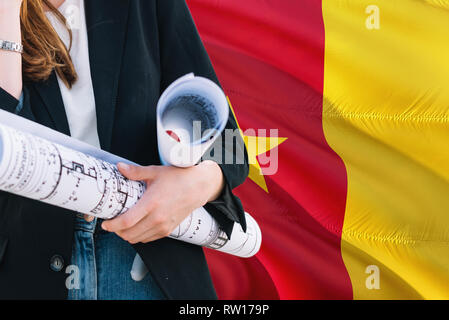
<point x="39" y="163"/>
<point x="36" y="168"/>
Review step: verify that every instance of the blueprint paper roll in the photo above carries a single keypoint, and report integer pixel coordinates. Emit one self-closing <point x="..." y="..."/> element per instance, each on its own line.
<point x="42" y="164"/>
<point x="188" y="100"/>
<point x="242" y="244"/>
<point x="38" y="169"/>
<point x="49" y="171"/>
<point x="191" y="114"/>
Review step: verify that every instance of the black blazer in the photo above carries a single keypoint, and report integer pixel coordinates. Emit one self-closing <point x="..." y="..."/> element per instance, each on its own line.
<point x="137" y="48"/>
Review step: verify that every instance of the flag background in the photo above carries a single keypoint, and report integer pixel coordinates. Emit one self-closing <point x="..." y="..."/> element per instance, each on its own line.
<point x="363" y="172"/>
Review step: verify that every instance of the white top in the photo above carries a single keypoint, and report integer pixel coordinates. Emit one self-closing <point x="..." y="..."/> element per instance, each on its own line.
<point x="79" y="102"/>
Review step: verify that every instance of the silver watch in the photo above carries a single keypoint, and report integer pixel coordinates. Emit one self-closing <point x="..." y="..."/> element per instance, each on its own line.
<point x="11" y="46"/>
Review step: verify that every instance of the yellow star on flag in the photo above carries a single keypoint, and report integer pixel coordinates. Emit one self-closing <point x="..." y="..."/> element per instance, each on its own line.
<point x="257" y="146"/>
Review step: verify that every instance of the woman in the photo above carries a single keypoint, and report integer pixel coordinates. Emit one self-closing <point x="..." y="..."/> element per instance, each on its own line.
<point x="95" y="70"/>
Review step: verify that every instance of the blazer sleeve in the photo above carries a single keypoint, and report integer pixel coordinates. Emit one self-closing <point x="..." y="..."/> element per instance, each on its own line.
<point x="20" y="107"/>
<point x="182" y="52"/>
<point x="8" y="102"/>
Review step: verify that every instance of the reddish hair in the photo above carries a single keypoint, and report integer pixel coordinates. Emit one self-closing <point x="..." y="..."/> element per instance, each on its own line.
<point x="44" y="51"/>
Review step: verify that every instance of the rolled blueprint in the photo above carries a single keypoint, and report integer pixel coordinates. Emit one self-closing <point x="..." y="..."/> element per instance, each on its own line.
<point x="39" y="163"/>
<point x="191" y="113"/>
<point x="38" y="169"/>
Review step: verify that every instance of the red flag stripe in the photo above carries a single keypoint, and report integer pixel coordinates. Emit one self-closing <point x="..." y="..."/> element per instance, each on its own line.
<point x="269" y="57"/>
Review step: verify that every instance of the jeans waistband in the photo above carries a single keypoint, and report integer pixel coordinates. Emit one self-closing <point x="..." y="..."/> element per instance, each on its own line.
<point x="93" y="227"/>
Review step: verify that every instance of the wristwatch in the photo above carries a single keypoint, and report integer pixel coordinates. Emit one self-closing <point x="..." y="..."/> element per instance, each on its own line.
<point x="11" y="46"/>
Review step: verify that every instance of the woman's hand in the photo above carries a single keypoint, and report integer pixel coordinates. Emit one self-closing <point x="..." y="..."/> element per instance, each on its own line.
<point x="172" y="194"/>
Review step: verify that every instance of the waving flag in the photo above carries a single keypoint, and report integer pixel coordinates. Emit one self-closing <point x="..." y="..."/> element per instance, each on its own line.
<point x="357" y="207"/>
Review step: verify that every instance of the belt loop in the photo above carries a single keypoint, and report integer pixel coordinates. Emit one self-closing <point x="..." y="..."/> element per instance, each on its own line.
<point x="82" y="224"/>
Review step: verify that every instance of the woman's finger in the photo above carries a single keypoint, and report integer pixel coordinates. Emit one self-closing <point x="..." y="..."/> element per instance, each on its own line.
<point x="89" y="218"/>
<point x="135" y="234"/>
<point x="153" y="224"/>
<point x="130" y="218"/>
<point x="137" y="173"/>
<point x="149" y="236"/>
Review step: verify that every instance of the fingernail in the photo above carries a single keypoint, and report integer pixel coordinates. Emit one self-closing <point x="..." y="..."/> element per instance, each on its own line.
<point x="104" y="227"/>
<point x="124" y="166"/>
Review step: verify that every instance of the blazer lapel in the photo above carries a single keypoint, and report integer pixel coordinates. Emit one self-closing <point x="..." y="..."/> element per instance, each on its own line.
<point x="51" y="96"/>
<point x="106" y="28"/>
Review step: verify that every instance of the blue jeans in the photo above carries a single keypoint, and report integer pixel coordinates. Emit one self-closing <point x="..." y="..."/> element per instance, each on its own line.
<point x="103" y="262"/>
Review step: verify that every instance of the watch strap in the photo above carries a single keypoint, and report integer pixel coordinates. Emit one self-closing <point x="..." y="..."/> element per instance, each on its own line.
<point x="11" y="46"/>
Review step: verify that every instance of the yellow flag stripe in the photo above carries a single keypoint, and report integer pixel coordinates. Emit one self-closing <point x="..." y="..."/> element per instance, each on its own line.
<point x="386" y="113"/>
